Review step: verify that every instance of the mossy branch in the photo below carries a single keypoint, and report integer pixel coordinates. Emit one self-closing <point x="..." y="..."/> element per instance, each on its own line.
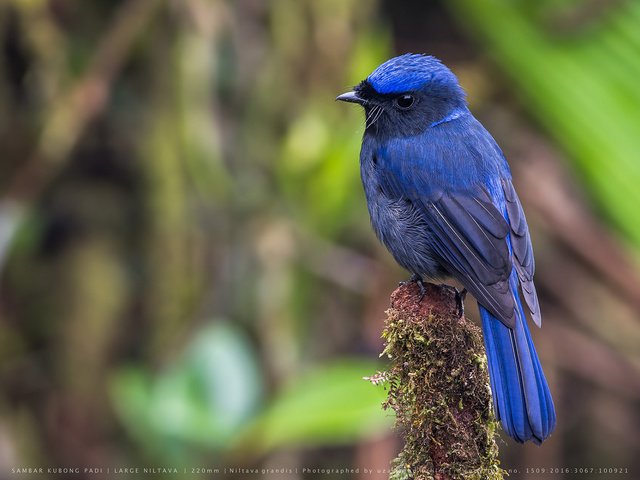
<point x="439" y="388"/>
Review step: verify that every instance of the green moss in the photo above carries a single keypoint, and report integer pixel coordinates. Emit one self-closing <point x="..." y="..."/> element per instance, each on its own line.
<point x="439" y="389"/>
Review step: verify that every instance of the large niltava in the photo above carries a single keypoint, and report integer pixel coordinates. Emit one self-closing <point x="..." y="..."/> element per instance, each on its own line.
<point x="441" y="200"/>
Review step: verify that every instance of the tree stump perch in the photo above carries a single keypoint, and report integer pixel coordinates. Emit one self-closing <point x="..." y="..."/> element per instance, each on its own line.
<point x="438" y="387"/>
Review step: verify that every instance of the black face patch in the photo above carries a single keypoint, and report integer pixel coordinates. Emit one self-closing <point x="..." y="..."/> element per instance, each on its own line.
<point x="366" y="91"/>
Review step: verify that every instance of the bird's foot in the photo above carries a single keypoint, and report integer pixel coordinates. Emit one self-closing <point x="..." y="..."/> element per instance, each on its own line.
<point x="460" y="296"/>
<point x="415" y="278"/>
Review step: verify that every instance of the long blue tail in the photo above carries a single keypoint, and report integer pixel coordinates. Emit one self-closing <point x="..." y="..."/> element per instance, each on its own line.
<point x="520" y="392"/>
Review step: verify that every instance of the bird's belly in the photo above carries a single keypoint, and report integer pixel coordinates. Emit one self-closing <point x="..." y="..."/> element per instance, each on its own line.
<point x="402" y="229"/>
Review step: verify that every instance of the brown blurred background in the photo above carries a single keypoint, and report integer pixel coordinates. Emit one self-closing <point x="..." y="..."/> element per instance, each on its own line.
<point x="189" y="278"/>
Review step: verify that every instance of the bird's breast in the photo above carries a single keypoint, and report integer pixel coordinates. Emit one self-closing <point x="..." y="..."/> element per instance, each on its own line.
<point x="399" y="225"/>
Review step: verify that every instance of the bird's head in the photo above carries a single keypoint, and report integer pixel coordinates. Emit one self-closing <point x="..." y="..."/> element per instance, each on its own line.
<point x="407" y="94"/>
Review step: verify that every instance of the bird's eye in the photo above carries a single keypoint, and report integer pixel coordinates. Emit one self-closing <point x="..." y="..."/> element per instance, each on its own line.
<point x="405" y="101"/>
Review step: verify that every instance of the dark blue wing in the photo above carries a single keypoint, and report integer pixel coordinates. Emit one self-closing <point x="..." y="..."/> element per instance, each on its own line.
<point x="522" y="249"/>
<point x="469" y="236"/>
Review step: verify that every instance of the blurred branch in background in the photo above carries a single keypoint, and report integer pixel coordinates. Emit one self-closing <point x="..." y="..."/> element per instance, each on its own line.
<point x="70" y="112"/>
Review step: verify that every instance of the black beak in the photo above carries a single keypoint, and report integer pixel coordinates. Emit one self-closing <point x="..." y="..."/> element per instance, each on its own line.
<point x="351" y="97"/>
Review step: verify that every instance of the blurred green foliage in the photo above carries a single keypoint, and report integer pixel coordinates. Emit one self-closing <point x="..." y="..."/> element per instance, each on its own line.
<point x="316" y="166"/>
<point x="322" y="407"/>
<point x="210" y="399"/>
<point x="175" y="161"/>
<point x="188" y="268"/>
<point x="202" y="399"/>
<point x="575" y="66"/>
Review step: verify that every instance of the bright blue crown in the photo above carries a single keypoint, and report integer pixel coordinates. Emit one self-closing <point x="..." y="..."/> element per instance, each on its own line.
<point x="411" y="72"/>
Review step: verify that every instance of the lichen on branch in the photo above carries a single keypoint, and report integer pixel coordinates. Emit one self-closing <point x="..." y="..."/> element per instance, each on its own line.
<point x="438" y="387"/>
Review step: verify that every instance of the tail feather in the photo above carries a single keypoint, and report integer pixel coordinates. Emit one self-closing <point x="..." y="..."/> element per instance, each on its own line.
<point x="521" y="395"/>
<point x="548" y="411"/>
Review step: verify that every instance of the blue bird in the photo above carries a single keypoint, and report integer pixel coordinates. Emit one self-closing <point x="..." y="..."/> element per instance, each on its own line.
<point x="440" y="197"/>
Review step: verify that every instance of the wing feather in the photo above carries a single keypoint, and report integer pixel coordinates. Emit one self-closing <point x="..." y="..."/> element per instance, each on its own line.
<point x="522" y="250"/>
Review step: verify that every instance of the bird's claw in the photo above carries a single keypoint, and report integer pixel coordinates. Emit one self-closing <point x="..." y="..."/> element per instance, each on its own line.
<point x="415" y="278"/>
<point x="460" y="296"/>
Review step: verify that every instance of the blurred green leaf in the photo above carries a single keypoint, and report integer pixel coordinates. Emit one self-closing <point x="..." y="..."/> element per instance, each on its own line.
<point x="328" y="405"/>
<point x="202" y="399"/>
